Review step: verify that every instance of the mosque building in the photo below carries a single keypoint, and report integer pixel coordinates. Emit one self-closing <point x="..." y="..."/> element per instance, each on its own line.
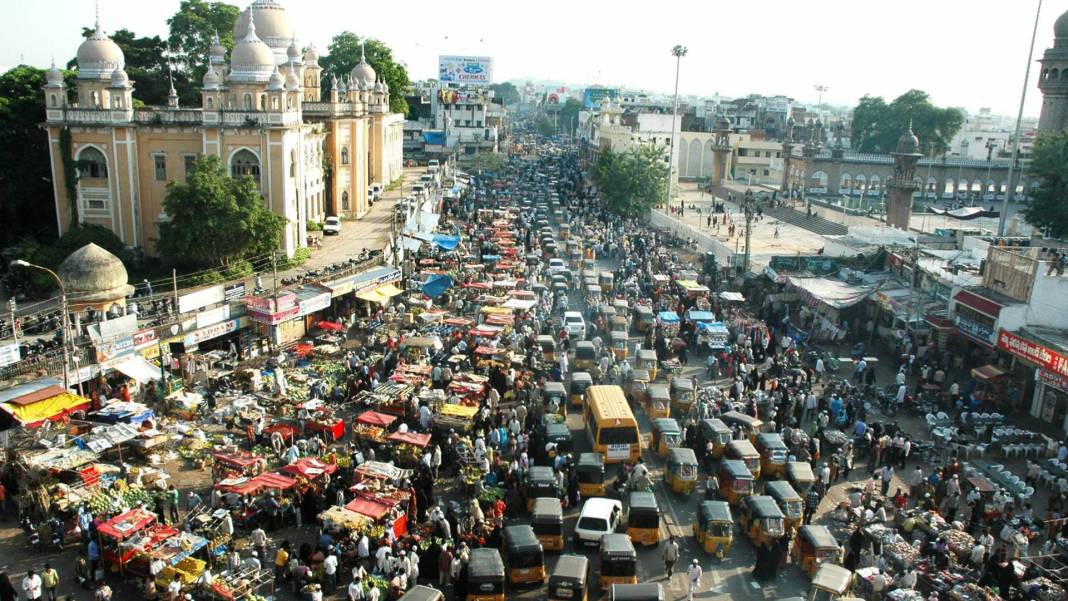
<point x="263" y="112"/>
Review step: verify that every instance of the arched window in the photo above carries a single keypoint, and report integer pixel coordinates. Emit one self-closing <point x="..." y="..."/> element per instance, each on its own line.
<point x="52" y="100"/>
<point x="91" y="163"/>
<point x="1054" y="74"/>
<point x="344" y="201"/>
<point x="245" y="163"/>
<point x="344" y="155"/>
<point x="274" y="103"/>
<point x="248" y="102"/>
<point x="263" y="102"/>
<point x="211" y="103"/>
<point x="293" y="162"/>
<point x="95" y="100"/>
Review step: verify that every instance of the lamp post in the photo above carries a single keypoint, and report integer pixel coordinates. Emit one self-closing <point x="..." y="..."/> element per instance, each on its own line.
<point x="63" y="311"/>
<point x="820" y="89"/>
<point x="678" y="52"/>
<point x="1011" y="192"/>
<point x="748" y="206"/>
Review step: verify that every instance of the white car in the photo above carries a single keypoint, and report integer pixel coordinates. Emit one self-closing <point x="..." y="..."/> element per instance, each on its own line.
<point x="332" y="225"/>
<point x="599" y="516"/>
<point x="556" y="265"/>
<point x="575" y="324"/>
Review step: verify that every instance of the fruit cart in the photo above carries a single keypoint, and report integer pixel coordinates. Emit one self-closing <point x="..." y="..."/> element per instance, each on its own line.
<point x="371" y="426"/>
<point x="242" y="463"/>
<point x="408" y="447"/>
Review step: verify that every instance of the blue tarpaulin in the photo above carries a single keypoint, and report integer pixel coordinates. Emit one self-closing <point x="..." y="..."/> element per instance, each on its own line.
<point x="446" y="242"/>
<point x="693" y="315"/>
<point x="668" y="316"/>
<point x="436" y="285"/>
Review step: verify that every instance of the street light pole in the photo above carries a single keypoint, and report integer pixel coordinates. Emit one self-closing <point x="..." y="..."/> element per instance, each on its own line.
<point x="678" y="52"/>
<point x="63" y="310"/>
<point x="820" y="89"/>
<point x="1016" y="135"/>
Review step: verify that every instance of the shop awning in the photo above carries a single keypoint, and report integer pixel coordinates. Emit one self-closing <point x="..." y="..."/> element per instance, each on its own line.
<point x="374" y="418"/>
<point x="979" y="303"/>
<point x="309" y="468"/>
<point x="367" y="507"/>
<point x="412" y="438"/>
<point x="734" y="297"/>
<point x="51" y="403"/>
<point x="988" y="372"/>
<point x="835" y="294"/>
<point x="373" y="296"/>
<point x="136" y="367"/>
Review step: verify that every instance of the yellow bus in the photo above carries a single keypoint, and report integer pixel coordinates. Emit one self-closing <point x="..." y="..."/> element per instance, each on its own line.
<point x="610" y="424"/>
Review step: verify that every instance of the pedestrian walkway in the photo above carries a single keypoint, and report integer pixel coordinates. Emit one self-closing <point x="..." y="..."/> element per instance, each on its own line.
<point x="813" y="223"/>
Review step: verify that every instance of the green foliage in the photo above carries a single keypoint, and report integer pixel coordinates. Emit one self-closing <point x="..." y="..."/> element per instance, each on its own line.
<point x="544" y="126"/>
<point x="877" y="125"/>
<point x="506" y="93"/>
<point x="344" y="54"/>
<point x="70" y="172"/>
<point x="146" y="64"/>
<point x="51" y="254"/>
<point x="634" y="181"/>
<point x="484" y="161"/>
<point x="191" y="31"/>
<point x="315" y="226"/>
<point x="568" y="118"/>
<point x="215" y="219"/>
<point x="27" y="207"/>
<point x="1048" y="209"/>
<point x="300" y="257"/>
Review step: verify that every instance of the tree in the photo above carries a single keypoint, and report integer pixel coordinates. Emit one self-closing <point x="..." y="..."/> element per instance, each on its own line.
<point x="544" y="126"/>
<point x="28" y="208"/>
<point x="634" y="181"/>
<point x="148" y="69"/>
<point x="569" y="115"/>
<point x="1048" y="209"/>
<point x="191" y="31"/>
<point x="877" y="125"/>
<point x="216" y="219"/>
<point x="344" y="54"/>
<point x="506" y="93"/>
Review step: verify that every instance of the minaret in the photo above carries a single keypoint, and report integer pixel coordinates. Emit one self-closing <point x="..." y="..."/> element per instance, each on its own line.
<point x="721" y="149"/>
<point x="1053" y="81"/>
<point x="172" y="94"/>
<point x="787" y="154"/>
<point x="902" y="186"/>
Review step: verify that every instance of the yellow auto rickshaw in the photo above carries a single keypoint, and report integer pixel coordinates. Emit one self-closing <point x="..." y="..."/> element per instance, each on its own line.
<point x="607" y="280"/>
<point x="683" y="395"/>
<point x="644" y="318"/>
<point x="773" y="454"/>
<point x="713" y="431"/>
<point x="680" y="474"/>
<point x="638" y="385"/>
<point x="647" y="360"/>
<point x="788" y="500"/>
<point x="547" y="520"/>
<point x="541" y="482"/>
<point x="619" y="560"/>
<point x="658" y="401"/>
<point x="735" y="481"/>
<point x="643" y="518"/>
<point x="816" y="546"/>
<point x="745" y="451"/>
<point x="524" y="555"/>
<point x="593" y="294"/>
<point x="750" y="425"/>
<point x="830" y="582"/>
<point x="590" y="473"/>
<point x="565" y="231"/>
<point x="485" y="575"/>
<point x="761" y="519"/>
<point x="568" y="580"/>
<point x="589" y="267"/>
<point x="666" y="434"/>
<point x="555" y="395"/>
<point x="580" y="381"/>
<point x="548" y="348"/>
<point x="585" y="355"/>
<point x="714" y="527"/>
<point x="800" y="476"/>
<point x="618" y="340"/>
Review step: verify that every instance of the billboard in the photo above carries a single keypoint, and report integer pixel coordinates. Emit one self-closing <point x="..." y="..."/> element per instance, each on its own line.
<point x="465" y="69"/>
<point x="592" y="97"/>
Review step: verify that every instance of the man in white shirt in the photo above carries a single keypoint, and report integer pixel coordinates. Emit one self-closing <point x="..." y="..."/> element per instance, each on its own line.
<point x="258" y="538"/>
<point x="330" y="569"/>
<point x="31" y="586"/>
<point x="820" y="369"/>
<point x="356" y="592"/>
<point x="693" y="578"/>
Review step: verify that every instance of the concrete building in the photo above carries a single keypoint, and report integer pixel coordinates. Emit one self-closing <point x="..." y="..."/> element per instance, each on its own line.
<point x="1053" y="80"/>
<point x="262" y="113"/>
<point x="454" y="119"/>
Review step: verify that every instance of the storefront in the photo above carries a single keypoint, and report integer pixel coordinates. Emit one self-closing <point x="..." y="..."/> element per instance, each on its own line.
<point x="1049" y="357"/>
<point x="374" y="286"/>
<point x="976" y="317"/>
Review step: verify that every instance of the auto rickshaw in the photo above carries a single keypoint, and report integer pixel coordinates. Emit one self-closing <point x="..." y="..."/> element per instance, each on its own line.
<point x="749" y="424"/>
<point x="524" y="555"/>
<point x="590" y="473"/>
<point x="644" y="318"/>
<point x="667" y="434"/>
<point x="565" y="231"/>
<point x="735" y="481"/>
<point x="643" y="518"/>
<point x="568" y="580"/>
<point x="714" y="527"/>
<point x="588" y="267"/>
<point x="761" y="519"/>
<point x="541" y="482"/>
<point x="646" y="591"/>
<point x="607" y="280"/>
<point x="422" y="593"/>
<point x="829" y="583"/>
<point x="800" y="476"/>
<point x="618" y="340"/>
<point x="773" y="454"/>
<point x="680" y="474"/>
<point x="547" y="520"/>
<point x="647" y="360"/>
<point x="788" y="501"/>
<point x="485" y="575"/>
<point x="619" y="560"/>
<point x="548" y="348"/>
<point x="580" y="381"/>
<point x="658" y="401"/>
<point x="815" y="546"/>
<point x="682" y="395"/>
<point x="559" y="435"/>
<point x="638" y="385"/>
<point x="585" y="355"/>
<point x="554" y="392"/>
<point x="716" y="432"/>
<point x="745" y="451"/>
<point x="593" y="294"/>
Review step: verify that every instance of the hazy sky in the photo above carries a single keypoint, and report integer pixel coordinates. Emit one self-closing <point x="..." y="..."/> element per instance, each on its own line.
<point x="968" y="53"/>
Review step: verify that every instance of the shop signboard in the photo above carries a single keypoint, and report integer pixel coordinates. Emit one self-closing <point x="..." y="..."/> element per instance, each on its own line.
<point x="1041" y="356"/>
<point x="316" y="303"/>
<point x="975" y="330"/>
<point x="212" y="316"/>
<point x="144" y="337"/>
<point x="1052" y="379"/>
<point x="465" y="69"/>
<point x="215" y="331"/>
<point x="367" y="280"/>
<point x="267" y="307"/>
<point x="212" y="295"/>
<point x="10" y="353"/>
<point x="234" y="292"/>
<point x="592" y="97"/>
<point x="273" y="319"/>
<point x="108" y="353"/>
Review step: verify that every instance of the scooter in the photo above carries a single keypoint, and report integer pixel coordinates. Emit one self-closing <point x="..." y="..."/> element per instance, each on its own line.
<point x="33" y="537"/>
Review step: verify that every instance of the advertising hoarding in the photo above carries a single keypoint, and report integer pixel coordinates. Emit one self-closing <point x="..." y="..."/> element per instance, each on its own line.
<point x="592" y="97"/>
<point x="465" y="69"/>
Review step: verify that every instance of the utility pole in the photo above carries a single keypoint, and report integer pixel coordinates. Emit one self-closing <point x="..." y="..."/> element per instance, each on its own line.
<point x="64" y="322"/>
<point x="1016" y="135"/>
<point x="678" y="52"/>
<point x="274" y="272"/>
<point x="750" y="213"/>
<point x="820" y="89"/>
<point x="13" y="306"/>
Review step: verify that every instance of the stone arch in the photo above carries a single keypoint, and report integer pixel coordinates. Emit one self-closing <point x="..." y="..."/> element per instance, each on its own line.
<point x="845" y="183"/>
<point x="345" y="200"/>
<point x="344" y="155"/>
<point x="1045" y="74"/>
<point x="950" y="187"/>
<point x="684" y="159"/>
<point x="860" y="185"/>
<point x="874" y="184"/>
<point x="693" y="167"/>
<point x="819" y="178"/>
<point x="248" y="101"/>
<point x="1054" y="73"/>
<point x="706" y="160"/>
<point x="92" y="163"/>
<point x="245" y="161"/>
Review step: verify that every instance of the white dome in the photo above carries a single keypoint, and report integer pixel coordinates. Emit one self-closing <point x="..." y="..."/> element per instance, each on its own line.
<point x="292" y="80"/>
<point x="98" y="56"/>
<point x="378" y="87"/>
<point x="54" y="77"/>
<point x="363" y="73"/>
<point x="311" y="56"/>
<point x="277" y="82"/>
<point x="272" y="26"/>
<point x="212" y="81"/>
<point x="218" y="51"/>
<point x="251" y="60"/>
<point x="119" y="79"/>
<point x="293" y="52"/>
